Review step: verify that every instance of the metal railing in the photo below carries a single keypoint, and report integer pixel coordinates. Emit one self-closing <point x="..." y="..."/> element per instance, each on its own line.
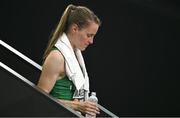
<point x="40" y="68"/>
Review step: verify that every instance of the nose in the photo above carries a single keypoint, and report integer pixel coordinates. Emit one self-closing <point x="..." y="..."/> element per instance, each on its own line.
<point x="91" y="41"/>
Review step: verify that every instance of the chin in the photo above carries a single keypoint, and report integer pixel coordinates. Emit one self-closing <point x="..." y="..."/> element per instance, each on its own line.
<point x="83" y="49"/>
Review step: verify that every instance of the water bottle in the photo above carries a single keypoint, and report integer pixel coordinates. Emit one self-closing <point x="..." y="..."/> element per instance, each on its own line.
<point x="94" y="99"/>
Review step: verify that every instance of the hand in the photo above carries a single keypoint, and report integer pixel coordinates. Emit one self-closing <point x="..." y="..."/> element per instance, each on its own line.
<point x="87" y="107"/>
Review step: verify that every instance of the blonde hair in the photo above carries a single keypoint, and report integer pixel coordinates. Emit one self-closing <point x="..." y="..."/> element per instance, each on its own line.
<point x="79" y="15"/>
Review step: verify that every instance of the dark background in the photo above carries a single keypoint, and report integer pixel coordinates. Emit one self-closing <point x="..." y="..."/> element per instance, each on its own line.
<point x="133" y="64"/>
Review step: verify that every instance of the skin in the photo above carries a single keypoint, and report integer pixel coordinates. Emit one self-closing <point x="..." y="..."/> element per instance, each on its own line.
<point x="81" y="38"/>
<point x="54" y="68"/>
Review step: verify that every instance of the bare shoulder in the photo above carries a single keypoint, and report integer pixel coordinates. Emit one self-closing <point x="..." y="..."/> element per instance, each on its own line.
<point x="55" y="57"/>
<point x="54" y="61"/>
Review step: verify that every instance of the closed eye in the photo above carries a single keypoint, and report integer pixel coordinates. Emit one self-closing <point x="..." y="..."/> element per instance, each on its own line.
<point x="90" y="35"/>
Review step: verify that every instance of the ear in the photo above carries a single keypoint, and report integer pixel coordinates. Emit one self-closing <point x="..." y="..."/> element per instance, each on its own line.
<point x="74" y="27"/>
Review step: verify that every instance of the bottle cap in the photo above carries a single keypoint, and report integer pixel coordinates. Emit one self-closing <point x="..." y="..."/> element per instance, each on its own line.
<point x="93" y="93"/>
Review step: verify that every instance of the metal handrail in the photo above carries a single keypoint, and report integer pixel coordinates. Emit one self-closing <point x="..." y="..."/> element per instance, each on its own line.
<point x="40" y="68"/>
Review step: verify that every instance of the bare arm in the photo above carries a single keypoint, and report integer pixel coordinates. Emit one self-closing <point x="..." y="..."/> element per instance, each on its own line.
<point x="53" y="67"/>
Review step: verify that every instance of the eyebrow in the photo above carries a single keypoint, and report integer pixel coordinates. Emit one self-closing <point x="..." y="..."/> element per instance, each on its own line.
<point x="91" y="34"/>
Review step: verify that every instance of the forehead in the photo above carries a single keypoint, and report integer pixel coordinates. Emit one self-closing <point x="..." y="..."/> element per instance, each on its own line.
<point x="91" y="28"/>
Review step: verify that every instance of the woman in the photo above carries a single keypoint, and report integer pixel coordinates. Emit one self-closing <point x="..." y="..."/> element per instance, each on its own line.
<point x="64" y="75"/>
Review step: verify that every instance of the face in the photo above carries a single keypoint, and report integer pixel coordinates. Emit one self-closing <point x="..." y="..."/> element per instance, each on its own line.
<point x="84" y="37"/>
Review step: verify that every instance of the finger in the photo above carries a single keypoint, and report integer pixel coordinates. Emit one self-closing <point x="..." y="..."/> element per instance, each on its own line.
<point x="93" y="106"/>
<point x="92" y="110"/>
<point x="91" y="113"/>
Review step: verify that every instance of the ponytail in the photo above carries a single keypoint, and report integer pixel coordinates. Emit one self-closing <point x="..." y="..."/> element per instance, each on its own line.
<point x="61" y="27"/>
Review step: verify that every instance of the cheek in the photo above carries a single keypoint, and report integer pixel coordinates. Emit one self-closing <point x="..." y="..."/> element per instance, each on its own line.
<point x="83" y="39"/>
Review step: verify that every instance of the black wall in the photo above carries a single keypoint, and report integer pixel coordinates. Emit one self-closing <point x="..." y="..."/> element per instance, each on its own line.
<point x="20" y="98"/>
<point x="134" y="62"/>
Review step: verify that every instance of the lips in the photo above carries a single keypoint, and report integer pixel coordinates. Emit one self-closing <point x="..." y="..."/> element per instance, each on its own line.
<point x="86" y="45"/>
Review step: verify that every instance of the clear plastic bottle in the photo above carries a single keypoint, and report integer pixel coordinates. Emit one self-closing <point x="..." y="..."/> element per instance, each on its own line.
<point x="94" y="99"/>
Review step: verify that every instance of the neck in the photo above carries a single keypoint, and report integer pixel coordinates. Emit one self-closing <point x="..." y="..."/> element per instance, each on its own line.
<point x="70" y="38"/>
